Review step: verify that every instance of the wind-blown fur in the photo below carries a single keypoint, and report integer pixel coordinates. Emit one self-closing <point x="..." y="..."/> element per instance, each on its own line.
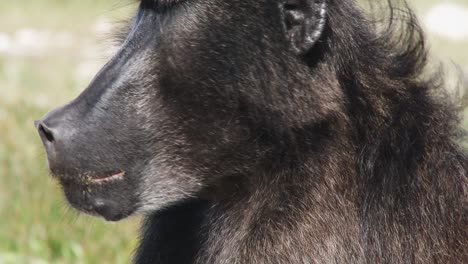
<point x="380" y="179"/>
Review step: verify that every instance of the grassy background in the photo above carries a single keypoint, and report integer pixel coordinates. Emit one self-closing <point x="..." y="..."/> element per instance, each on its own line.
<point x="36" y="225"/>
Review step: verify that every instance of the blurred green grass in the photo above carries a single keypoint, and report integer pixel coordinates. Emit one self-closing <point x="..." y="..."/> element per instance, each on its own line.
<point x="36" y="224"/>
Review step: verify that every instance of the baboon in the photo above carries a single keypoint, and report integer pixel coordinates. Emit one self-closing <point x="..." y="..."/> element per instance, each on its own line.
<point x="269" y="131"/>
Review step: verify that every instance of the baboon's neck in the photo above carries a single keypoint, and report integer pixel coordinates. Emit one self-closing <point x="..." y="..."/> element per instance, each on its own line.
<point x="298" y="213"/>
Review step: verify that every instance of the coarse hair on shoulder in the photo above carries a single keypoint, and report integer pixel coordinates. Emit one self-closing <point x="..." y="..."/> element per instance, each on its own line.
<point x="382" y="61"/>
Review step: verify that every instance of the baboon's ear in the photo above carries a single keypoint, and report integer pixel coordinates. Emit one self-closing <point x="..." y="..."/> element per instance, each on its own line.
<point x="304" y="21"/>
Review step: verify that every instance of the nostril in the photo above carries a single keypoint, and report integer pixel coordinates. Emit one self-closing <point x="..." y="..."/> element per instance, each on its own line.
<point x="46" y="133"/>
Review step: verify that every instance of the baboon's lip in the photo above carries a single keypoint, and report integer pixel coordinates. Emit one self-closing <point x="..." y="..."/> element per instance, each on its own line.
<point x="106" y="176"/>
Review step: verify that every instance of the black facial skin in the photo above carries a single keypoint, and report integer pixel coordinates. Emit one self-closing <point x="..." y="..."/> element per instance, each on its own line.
<point x="267" y="131"/>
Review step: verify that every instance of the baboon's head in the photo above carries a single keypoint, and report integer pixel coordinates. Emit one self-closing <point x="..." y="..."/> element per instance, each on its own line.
<point x="196" y="94"/>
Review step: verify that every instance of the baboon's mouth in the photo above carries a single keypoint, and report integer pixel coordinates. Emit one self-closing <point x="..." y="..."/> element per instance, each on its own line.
<point x="94" y="192"/>
<point x="105" y="176"/>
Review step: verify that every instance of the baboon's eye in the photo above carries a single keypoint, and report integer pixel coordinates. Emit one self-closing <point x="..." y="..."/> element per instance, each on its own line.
<point x="167" y="2"/>
<point x="159" y="3"/>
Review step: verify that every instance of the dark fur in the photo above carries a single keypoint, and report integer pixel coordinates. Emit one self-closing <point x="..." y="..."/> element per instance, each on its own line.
<point x="343" y="154"/>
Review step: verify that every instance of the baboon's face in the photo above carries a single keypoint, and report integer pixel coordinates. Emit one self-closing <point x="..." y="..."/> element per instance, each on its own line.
<point x="169" y="114"/>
